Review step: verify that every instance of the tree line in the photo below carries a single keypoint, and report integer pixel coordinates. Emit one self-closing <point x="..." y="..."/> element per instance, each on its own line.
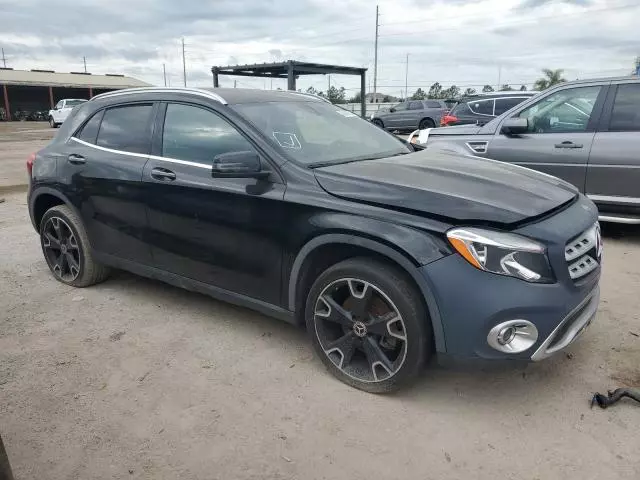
<point x="437" y="91"/>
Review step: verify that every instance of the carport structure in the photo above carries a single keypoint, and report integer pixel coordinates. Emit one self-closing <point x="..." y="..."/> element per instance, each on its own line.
<point x="291" y="70"/>
<point x="36" y="90"/>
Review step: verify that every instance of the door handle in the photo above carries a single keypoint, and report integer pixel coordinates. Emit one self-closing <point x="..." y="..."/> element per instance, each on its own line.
<point x="163" y="174"/>
<point x="76" y="159"/>
<point x="568" y="144"/>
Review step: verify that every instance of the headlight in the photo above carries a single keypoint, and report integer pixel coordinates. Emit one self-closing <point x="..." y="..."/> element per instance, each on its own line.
<point x="502" y="253"/>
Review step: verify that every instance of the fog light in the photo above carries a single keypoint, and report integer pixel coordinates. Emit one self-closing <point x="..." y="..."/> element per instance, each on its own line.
<point x="513" y="336"/>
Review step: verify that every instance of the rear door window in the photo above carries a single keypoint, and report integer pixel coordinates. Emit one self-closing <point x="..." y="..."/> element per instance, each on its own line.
<point x="126" y="128"/>
<point x="626" y="109"/>
<point x="415" y="106"/>
<point x="481" y="107"/>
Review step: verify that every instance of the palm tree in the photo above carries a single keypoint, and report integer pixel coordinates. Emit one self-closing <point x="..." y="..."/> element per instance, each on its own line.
<point x="553" y="77"/>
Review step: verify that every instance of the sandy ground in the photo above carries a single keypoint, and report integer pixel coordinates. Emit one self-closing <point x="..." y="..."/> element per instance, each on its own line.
<point x="136" y="379"/>
<point x="17" y="141"/>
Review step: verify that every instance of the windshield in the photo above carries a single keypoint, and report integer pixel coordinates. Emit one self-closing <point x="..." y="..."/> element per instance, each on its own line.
<point x="73" y="103"/>
<point x="318" y="133"/>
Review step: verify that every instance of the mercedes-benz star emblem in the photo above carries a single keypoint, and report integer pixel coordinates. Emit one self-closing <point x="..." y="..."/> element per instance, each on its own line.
<point x="360" y="329"/>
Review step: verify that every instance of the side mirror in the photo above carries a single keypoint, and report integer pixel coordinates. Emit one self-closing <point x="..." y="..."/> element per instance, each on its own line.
<point x="515" y="126"/>
<point x="243" y="164"/>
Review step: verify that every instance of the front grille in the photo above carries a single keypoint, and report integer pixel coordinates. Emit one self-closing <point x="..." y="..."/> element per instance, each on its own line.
<point x="583" y="253"/>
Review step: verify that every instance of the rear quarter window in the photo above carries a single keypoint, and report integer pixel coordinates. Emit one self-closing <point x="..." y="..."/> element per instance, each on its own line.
<point x="481" y="107"/>
<point x="89" y="132"/>
<point x="626" y="109"/>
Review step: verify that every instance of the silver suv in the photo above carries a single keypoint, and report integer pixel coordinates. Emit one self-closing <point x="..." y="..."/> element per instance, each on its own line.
<point x="586" y="132"/>
<point x="410" y="115"/>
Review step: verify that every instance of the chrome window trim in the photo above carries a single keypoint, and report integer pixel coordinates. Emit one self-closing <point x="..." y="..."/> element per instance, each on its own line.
<point x="131" y="91"/>
<point x="478" y="143"/>
<point x="142" y="155"/>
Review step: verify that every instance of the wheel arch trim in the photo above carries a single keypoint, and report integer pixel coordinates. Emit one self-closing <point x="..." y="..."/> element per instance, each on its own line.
<point x="37" y="192"/>
<point x="405" y="263"/>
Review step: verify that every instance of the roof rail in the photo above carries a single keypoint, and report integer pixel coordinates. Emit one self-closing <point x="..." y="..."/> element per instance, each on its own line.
<point x="131" y="91"/>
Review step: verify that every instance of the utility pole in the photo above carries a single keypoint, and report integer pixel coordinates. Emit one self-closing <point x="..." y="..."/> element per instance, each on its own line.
<point x="235" y="84"/>
<point x="164" y="74"/>
<point x="375" y="58"/>
<point x="84" y="60"/>
<point x="184" y="65"/>
<point x="4" y="60"/>
<point x="406" y="80"/>
<point x="329" y="83"/>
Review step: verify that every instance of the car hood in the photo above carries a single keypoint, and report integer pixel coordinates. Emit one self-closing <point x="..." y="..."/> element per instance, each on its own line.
<point x="456" y="130"/>
<point x="460" y="188"/>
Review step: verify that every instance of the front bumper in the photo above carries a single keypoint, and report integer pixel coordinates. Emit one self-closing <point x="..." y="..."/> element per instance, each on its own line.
<point x="472" y="302"/>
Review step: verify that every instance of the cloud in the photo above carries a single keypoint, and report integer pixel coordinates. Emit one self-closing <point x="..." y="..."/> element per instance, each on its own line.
<point x="461" y="41"/>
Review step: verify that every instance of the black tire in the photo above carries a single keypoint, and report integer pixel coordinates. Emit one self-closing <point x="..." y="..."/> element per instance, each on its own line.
<point x="426" y="123"/>
<point x="401" y="294"/>
<point x="377" y="122"/>
<point x="52" y="124"/>
<point x="78" y="267"/>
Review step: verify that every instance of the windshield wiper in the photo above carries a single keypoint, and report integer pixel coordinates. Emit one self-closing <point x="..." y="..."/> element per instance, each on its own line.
<point x="354" y="159"/>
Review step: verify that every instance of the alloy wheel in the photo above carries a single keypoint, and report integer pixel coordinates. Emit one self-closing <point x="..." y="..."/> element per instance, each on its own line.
<point x="61" y="249"/>
<point x="360" y="330"/>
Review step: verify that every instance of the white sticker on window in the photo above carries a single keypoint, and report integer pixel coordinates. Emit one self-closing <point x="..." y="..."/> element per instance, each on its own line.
<point x="287" y="140"/>
<point x="346" y="113"/>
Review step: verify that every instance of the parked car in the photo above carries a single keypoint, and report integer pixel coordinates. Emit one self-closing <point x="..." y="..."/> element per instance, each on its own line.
<point x="586" y="132"/>
<point x="281" y="202"/>
<point x="59" y="114"/>
<point x="410" y="115"/>
<point x="483" y="107"/>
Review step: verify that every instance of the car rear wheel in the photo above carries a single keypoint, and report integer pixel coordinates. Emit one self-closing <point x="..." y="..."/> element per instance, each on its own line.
<point x="66" y="249"/>
<point x="368" y="325"/>
<point x="426" y="123"/>
<point x="377" y="122"/>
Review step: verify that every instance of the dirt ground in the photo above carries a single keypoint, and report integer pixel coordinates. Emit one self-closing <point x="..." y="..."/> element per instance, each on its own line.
<point x="17" y="141"/>
<point x="136" y="379"/>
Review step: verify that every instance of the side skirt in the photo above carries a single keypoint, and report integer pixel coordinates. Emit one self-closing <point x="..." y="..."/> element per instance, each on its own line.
<point x="196" y="286"/>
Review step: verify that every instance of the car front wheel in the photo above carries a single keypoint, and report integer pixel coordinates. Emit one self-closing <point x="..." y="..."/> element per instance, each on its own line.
<point x="368" y="325"/>
<point x="52" y="124"/>
<point x="377" y="122"/>
<point x="66" y="249"/>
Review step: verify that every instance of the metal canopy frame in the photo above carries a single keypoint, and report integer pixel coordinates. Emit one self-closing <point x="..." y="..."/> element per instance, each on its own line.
<point x="291" y="70"/>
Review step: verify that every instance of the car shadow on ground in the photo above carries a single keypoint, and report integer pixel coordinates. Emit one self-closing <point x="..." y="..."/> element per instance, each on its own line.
<point x="440" y="384"/>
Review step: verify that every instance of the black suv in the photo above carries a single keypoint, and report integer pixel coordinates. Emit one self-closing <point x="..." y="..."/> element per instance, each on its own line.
<point x="286" y="204"/>
<point x="482" y="108"/>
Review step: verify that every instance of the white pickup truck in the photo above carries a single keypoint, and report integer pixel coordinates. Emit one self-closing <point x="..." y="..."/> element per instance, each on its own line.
<point x="60" y="113"/>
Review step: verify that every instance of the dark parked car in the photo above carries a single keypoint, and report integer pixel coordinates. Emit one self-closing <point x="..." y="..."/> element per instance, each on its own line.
<point x="410" y="115"/>
<point x="482" y="108"/>
<point x="586" y="132"/>
<point x="283" y="203"/>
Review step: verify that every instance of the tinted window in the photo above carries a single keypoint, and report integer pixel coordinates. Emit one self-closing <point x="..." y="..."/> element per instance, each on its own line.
<point x="415" y="106"/>
<point x="195" y="134"/>
<point x="504" y="104"/>
<point x="483" y="107"/>
<point x="90" y="130"/>
<point x="73" y="103"/>
<point x="59" y="104"/>
<point x="568" y="110"/>
<point x="626" y="109"/>
<point x="126" y="128"/>
<point x="461" y="109"/>
<point x="433" y="104"/>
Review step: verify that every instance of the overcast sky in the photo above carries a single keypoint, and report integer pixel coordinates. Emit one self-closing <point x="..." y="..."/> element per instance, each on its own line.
<point x="462" y="42"/>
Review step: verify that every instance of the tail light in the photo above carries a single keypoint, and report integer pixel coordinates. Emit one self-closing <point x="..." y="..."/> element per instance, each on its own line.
<point x="30" y="160"/>
<point x="447" y="120"/>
